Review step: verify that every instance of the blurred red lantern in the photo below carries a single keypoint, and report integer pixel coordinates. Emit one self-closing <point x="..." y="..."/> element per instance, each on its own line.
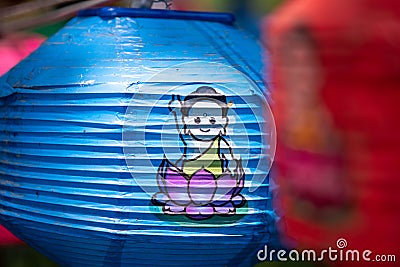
<point x="336" y="69"/>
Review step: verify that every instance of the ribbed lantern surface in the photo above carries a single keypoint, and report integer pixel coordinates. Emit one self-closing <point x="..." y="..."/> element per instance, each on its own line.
<point x="139" y="138"/>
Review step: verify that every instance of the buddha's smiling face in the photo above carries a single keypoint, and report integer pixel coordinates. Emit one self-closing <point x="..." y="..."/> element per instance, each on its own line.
<point x="205" y="120"/>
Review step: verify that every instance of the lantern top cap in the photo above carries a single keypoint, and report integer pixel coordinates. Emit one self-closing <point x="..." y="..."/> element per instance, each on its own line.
<point x="112" y="12"/>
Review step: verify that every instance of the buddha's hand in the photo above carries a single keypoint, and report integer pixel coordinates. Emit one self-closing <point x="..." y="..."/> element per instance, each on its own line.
<point x="174" y="102"/>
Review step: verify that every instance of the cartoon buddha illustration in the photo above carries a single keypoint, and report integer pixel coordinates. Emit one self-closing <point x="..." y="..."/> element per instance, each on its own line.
<point x="208" y="178"/>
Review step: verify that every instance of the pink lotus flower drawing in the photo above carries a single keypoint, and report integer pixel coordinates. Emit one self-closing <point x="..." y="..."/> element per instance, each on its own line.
<point x="199" y="196"/>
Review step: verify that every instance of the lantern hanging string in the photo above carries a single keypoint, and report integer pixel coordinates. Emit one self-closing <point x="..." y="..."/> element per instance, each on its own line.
<point x="149" y="3"/>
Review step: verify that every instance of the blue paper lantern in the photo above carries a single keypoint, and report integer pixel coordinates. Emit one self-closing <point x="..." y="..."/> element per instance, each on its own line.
<point x="139" y="138"/>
